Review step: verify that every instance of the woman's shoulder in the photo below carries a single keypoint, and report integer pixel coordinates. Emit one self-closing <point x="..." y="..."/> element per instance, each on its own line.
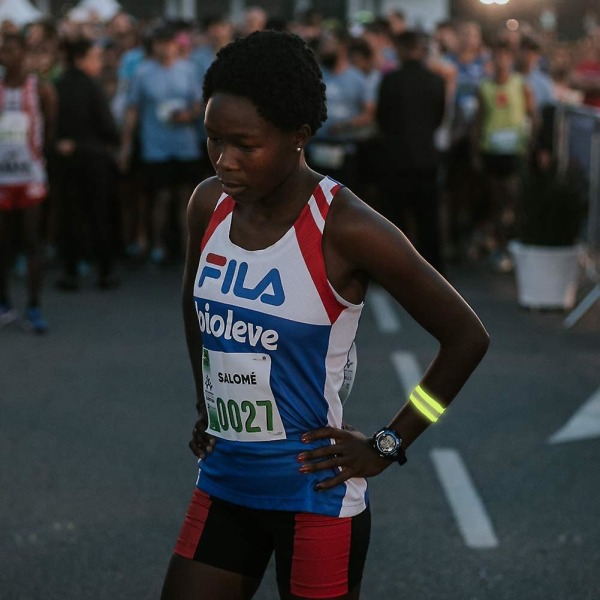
<point x="350" y="219"/>
<point x="204" y="201"/>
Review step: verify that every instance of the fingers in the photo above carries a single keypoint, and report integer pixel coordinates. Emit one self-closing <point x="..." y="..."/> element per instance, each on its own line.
<point x="323" y="434"/>
<point x="327" y="484"/>
<point x="331" y="463"/>
<point x="201" y="443"/>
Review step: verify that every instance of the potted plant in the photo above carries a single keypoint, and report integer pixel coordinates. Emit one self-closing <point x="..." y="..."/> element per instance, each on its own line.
<point x="546" y="253"/>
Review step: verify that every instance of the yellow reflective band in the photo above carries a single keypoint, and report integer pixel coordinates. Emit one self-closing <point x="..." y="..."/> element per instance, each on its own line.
<point x="434" y="404"/>
<point x="422" y="408"/>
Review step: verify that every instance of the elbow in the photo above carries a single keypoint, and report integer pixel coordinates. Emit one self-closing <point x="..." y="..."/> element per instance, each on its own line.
<point x="470" y="341"/>
<point x="479" y="342"/>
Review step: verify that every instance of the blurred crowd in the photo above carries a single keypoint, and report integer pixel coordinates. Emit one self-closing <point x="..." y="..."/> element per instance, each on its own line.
<point x="102" y="138"/>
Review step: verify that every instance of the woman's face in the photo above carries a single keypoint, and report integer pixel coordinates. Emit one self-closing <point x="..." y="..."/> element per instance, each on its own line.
<point x="250" y="155"/>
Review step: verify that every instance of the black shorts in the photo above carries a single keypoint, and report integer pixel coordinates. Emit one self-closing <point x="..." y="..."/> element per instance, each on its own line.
<point x="316" y="556"/>
<point x="502" y="165"/>
<point x="171" y="173"/>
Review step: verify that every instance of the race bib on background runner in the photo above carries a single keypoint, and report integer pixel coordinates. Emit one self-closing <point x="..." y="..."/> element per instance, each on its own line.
<point x="505" y="141"/>
<point x="239" y="400"/>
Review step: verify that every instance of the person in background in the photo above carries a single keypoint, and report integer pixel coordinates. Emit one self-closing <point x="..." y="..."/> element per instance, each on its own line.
<point x="463" y="183"/>
<point x="350" y="110"/>
<point x="504" y="129"/>
<point x="165" y="97"/>
<point x="255" y="19"/>
<point x="309" y="26"/>
<point x="368" y="155"/>
<point x="445" y="38"/>
<point x="43" y="50"/>
<point x="379" y="36"/>
<point x="539" y="82"/>
<point x="410" y="108"/>
<point x="397" y="22"/>
<point x="137" y="49"/>
<point x="218" y="32"/>
<point x="586" y="75"/>
<point x="86" y="136"/>
<point x="109" y="77"/>
<point x="362" y="57"/>
<point x="183" y="38"/>
<point x="27" y="118"/>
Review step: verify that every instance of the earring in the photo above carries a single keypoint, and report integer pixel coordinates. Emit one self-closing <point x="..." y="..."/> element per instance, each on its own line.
<point x="298" y="149"/>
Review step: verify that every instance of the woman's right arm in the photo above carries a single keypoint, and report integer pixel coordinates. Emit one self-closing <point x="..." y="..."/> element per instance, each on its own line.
<point x="199" y="212"/>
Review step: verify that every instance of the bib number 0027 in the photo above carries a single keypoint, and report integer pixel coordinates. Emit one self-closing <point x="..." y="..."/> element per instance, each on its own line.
<point x="242" y="417"/>
<point x="239" y="399"/>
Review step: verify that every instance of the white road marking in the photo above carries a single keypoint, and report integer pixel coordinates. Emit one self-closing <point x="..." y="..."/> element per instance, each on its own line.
<point x="583" y="425"/>
<point x="470" y="514"/>
<point x="408" y="370"/>
<point x="383" y="310"/>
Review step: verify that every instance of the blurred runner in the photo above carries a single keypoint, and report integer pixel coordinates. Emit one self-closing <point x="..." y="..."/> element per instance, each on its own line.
<point x="27" y="117"/>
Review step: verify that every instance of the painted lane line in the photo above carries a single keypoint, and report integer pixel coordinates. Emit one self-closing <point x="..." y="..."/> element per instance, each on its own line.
<point x="408" y="370"/>
<point x="583" y="425"/>
<point x="470" y="514"/>
<point x="383" y="310"/>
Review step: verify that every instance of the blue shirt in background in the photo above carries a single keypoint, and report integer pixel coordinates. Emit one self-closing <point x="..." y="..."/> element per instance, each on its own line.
<point x="347" y="93"/>
<point x="202" y="58"/>
<point x="542" y="88"/>
<point x="157" y="91"/>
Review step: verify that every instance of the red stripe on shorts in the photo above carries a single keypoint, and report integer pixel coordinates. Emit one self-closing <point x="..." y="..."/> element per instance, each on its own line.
<point x="193" y="525"/>
<point x="321" y="556"/>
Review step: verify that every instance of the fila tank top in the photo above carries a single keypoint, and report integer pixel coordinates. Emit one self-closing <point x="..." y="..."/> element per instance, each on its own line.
<point x="276" y="338"/>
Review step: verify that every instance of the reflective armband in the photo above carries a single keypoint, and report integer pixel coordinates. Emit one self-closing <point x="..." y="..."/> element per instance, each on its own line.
<point x="426" y="405"/>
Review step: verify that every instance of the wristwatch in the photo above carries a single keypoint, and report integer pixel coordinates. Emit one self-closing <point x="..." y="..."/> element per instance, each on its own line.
<point x="388" y="444"/>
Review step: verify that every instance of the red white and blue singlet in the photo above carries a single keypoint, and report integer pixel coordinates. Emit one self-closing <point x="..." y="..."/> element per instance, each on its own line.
<point x="276" y="338"/>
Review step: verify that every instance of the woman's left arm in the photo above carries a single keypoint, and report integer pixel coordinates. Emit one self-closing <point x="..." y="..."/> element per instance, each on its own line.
<point x="361" y="244"/>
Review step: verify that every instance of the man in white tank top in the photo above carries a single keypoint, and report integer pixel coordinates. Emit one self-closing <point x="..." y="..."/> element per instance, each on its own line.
<point x="26" y="115"/>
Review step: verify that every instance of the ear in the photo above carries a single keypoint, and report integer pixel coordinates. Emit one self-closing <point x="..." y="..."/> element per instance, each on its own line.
<point x="302" y="136"/>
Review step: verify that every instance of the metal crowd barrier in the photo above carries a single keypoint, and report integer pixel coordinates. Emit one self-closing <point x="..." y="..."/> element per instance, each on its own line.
<point x="577" y="144"/>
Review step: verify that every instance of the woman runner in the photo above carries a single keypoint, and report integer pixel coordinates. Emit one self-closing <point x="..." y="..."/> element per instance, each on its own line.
<point x="278" y="263"/>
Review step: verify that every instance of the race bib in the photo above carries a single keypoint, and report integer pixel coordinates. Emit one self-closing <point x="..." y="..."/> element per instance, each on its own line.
<point x="505" y="141"/>
<point x="239" y="400"/>
<point x="14" y="126"/>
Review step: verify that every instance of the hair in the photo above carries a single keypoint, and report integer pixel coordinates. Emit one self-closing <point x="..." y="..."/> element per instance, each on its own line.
<point x="410" y="40"/>
<point x="277" y="72"/>
<point x="165" y="32"/>
<point x="379" y="26"/>
<point x="76" y="49"/>
<point x="214" y="19"/>
<point x="530" y="43"/>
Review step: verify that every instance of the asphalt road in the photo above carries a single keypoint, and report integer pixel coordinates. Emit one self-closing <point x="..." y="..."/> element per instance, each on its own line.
<point x="95" y="474"/>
